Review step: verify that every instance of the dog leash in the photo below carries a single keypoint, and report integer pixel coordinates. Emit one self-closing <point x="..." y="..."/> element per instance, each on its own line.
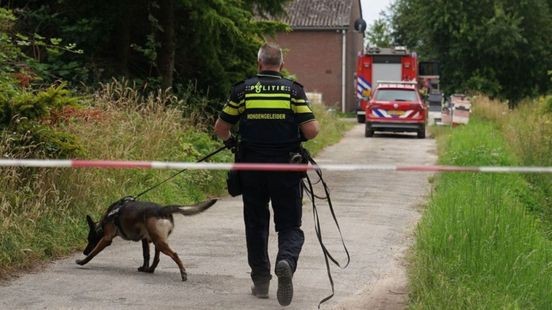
<point x="327" y="255"/>
<point x="174" y="175"/>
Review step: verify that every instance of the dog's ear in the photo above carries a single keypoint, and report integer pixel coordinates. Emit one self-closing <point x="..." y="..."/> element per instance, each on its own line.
<point x="90" y="222"/>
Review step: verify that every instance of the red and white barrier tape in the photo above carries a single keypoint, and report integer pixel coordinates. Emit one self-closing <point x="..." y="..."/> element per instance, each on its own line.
<point x="122" y="164"/>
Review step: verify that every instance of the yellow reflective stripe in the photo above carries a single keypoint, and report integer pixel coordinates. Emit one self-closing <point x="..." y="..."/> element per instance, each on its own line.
<point x="298" y="100"/>
<point x="232" y="104"/>
<point x="265" y="95"/>
<point x="301" y="109"/>
<point x="230" y="110"/>
<point x="267" y="104"/>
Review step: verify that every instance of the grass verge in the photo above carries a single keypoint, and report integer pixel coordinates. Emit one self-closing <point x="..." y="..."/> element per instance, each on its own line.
<point x="332" y="128"/>
<point x="478" y="244"/>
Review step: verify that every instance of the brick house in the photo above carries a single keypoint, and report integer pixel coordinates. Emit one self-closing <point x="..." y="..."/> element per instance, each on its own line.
<point x="321" y="49"/>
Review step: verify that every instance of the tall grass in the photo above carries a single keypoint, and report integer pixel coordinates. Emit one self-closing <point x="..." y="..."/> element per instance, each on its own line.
<point x="527" y="131"/>
<point x="332" y="127"/>
<point x="42" y="211"/>
<point x="478" y="246"/>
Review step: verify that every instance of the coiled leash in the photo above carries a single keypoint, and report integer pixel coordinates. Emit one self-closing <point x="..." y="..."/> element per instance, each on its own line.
<point x="327" y="255"/>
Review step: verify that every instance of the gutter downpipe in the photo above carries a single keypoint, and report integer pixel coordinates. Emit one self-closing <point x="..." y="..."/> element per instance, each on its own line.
<point x="343" y="68"/>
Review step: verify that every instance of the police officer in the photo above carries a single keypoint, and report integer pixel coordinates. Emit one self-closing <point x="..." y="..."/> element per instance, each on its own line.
<point x="274" y="117"/>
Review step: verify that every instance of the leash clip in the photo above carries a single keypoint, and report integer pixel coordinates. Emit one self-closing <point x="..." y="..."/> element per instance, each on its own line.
<point x="295" y="158"/>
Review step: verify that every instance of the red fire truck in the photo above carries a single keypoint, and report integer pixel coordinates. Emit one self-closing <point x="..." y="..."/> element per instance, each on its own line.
<point x="382" y="64"/>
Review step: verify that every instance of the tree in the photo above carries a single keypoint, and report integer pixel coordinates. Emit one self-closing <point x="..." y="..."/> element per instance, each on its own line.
<point x="164" y="42"/>
<point x="500" y="47"/>
<point x="223" y="44"/>
<point x="167" y="42"/>
<point x="379" y="34"/>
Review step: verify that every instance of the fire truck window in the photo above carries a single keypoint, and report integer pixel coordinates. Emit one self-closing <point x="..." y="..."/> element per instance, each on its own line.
<point x="396" y="95"/>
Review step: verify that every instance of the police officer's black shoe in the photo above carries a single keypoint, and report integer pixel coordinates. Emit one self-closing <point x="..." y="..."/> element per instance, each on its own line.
<point x="285" y="285"/>
<point x="260" y="290"/>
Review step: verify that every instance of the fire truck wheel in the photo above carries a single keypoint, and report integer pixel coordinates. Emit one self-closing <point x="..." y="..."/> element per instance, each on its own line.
<point x="421" y="132"/>
<point x="368" y="132"/>
<point x="361" y="119"/>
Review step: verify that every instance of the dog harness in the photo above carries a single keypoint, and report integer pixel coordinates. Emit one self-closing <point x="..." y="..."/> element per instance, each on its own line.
<point x="114" y="215"/>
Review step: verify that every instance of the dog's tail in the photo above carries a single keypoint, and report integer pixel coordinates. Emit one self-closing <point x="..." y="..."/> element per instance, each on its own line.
<point x="189" y="210"/>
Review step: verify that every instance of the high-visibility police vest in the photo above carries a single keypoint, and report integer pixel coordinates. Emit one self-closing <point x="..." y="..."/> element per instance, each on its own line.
<point x="268" y="118"/>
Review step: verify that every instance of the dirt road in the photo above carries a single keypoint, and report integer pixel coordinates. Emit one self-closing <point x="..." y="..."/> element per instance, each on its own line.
<point x="377" y="212"/>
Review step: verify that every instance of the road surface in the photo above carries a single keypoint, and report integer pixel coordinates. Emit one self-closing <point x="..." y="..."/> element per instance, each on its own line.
<point x="377" y="212"/>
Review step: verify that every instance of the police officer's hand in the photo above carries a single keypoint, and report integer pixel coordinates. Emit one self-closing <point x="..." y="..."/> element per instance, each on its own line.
<point x="302" y="137"/>
<point x="231" y="143"/>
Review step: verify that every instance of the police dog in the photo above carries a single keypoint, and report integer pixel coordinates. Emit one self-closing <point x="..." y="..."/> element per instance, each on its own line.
<point x="139" y="221"/>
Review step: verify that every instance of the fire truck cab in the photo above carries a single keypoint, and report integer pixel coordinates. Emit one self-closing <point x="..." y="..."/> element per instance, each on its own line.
<point x="381" y="64"/>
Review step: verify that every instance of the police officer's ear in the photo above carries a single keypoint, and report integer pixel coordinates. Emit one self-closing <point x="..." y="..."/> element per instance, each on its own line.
<point x="281" y="66"/>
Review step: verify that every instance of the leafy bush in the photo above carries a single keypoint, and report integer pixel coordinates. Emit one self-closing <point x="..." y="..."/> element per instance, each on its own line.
<point x="23" y="118"/>
<point x="24" y="109"/>
<point x="25" y="105"/>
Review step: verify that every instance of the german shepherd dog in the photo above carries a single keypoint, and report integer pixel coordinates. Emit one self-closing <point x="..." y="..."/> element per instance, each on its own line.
<point x="139" y="221"/>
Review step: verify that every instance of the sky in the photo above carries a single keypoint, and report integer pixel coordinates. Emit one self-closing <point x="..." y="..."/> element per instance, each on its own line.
<point x="371" y="9"/>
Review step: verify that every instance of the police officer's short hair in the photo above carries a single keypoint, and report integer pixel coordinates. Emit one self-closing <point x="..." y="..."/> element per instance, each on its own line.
<point x="270" y="54"/>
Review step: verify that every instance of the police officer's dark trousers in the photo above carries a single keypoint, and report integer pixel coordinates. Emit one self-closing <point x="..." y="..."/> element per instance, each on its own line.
<point x="284" y="191"/>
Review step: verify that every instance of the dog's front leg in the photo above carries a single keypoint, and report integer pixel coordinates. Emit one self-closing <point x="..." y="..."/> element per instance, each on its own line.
<point x="146" y="252"/>
<point x="104" y="242"/>
<point x="155" y="261"/>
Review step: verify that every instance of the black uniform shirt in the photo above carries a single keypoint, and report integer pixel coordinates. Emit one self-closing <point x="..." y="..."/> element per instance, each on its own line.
<point x="270" y="109"/>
